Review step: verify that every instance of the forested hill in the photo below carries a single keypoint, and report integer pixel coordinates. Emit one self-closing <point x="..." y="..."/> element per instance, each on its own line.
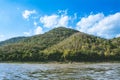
<point x="12" y="40"/>
<point x="44" y="40"/>
<point x="60" y="44"/>
<point x="49" y="38"/>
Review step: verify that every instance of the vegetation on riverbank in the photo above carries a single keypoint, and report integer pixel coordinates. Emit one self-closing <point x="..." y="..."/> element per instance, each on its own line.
<point x="62" y="45"/>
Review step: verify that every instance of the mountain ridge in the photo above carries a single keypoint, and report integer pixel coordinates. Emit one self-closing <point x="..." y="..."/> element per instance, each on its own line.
<point x="61" y="44"/>
<point x="12" y="40"/>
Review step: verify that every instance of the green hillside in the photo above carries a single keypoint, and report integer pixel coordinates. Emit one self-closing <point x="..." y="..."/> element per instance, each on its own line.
<point x="79" y="41"/>
<point x="83" y="47"/>
<point x="62" y="44"/>
<point x="29" y="48"/>
<point x="12" y="40"/>
<point x="49" y="38"/>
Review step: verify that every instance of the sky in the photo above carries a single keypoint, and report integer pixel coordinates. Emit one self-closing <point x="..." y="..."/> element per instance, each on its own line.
<point x="32" y="17"/>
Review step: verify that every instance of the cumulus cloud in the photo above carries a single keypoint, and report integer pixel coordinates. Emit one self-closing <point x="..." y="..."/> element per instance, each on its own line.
<point x="55" y="20"/>
<point x="49" y="21"/>
<point x="87" y="22"/>
<point x="38" y="30"/>
<point x="26" y="14"/>
<point x="27" y="33"/>
<point x="95" y="24"/>
<point x="63" y="21"/>
<point x="100" y="25"/>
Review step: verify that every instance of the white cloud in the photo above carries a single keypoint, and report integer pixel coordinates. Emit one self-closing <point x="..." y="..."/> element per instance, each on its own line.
<point x="87" y="22"/>
<point x="55" y="20"/>
<point x="62" y="12"/>
<point x="63" y="20"/>
<point x="4" y="37"/>
<point x="75" y="16"/>
<point x="28" y="33"/>
<point x="100" y="25"/>
<point x="49" y="21"/>
<point x="27" y="13"/>
<point x="118" y="35"/>
<point x="35" y="23"/>
<point x="38" y="30"/>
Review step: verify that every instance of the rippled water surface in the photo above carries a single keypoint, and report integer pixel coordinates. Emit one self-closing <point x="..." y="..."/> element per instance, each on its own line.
<point x="75" y="71"/>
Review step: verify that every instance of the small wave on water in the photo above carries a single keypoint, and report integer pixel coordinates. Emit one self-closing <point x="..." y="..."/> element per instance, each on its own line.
<point x="98" y="71"/>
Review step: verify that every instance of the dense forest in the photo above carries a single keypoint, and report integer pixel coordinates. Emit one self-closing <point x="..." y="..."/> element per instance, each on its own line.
<point x="60" y="44"/>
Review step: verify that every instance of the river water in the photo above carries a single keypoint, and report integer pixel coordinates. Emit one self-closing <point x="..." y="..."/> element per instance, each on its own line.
<point x="75" y="71"/>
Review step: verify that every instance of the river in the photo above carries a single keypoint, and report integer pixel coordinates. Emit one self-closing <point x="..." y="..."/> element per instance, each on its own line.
<point x="55" y="71"/>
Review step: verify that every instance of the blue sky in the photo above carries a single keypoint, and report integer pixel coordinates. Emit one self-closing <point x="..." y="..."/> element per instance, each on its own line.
<point x="32" y="17"/>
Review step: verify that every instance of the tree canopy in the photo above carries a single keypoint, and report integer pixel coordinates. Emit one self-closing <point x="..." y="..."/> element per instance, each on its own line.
<point x="60" y="44"/>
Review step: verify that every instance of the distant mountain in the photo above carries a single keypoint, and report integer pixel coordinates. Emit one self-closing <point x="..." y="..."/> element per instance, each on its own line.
<point x="61" y="44"/>
<point x="12" y="40"/>
<point x="50" y="38"/>
<point x="25" y="49"/>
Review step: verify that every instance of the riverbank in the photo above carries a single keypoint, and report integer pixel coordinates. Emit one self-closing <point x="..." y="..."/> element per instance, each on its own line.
<point x="55" y="62"/>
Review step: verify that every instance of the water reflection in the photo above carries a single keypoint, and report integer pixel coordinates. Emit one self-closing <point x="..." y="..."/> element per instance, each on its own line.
<point x="79" y="71"/>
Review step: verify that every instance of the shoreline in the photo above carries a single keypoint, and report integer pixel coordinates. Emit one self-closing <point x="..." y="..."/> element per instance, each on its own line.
<point x="55" y="62"/>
